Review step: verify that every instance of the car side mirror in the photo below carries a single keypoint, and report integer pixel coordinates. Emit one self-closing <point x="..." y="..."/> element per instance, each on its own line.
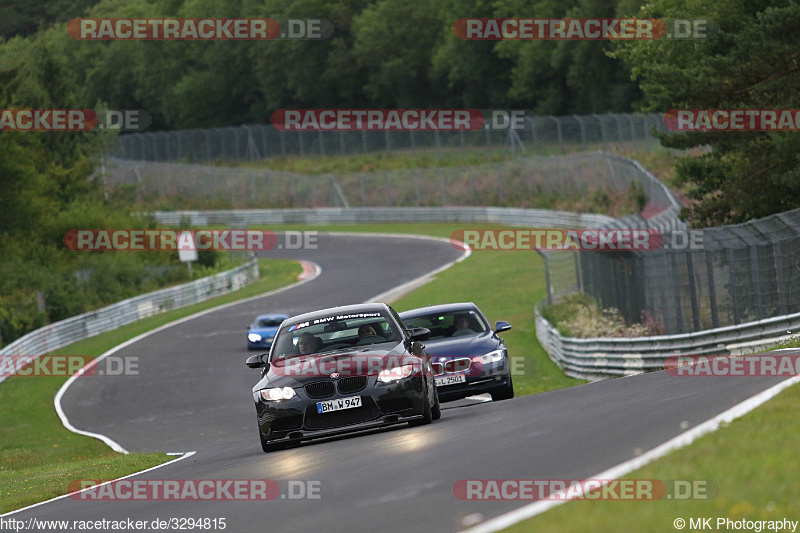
<point x="418" y="334"/>
<point x="257" y="361"/>
<point x="501" y="325"/>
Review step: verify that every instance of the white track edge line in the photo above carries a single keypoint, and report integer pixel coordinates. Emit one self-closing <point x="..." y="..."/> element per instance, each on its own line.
<point x="400" y="290"/>
<point x="183" y="455"/>
<point x="108" y="441"/>
<point x="684" y="439"/>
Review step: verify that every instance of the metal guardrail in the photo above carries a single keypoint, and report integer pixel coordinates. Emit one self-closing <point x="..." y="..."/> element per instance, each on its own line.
<point x="603" y="357"/>
<point x="361" y="215"/>
<point x="64" y="332"/>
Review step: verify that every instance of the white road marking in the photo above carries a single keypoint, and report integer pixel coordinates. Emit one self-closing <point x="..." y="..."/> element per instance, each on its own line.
<point x="684" y="439"/>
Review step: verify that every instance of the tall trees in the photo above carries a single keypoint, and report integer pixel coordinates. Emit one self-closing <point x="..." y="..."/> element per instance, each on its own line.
<point x="753" y="63"/>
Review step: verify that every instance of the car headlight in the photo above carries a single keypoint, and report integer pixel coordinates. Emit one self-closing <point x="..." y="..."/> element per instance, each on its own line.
<point x="253" y="337"/>
<point x="493" y="357"/>
<point x="393" y="374"/>
<point x="277" y="393"/>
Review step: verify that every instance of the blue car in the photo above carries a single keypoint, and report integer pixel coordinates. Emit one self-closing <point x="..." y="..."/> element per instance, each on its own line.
<point x="467" y="354"/>
<point x="263" y="330"/>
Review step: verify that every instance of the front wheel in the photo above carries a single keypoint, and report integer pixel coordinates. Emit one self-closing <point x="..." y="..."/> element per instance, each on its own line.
<point x="436" y="410"/>
<point x="427" y="409"/>
<point x="504" y="393"/>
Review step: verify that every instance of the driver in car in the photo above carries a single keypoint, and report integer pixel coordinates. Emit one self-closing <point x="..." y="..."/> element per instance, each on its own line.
<point x="461" y="325"/>
<point x="365" y="331"/>
<point x="307" y="343"/>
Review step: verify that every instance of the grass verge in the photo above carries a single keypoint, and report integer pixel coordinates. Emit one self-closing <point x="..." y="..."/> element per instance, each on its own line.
<point x="39" y="457"/>
<point x="750" y="466"/>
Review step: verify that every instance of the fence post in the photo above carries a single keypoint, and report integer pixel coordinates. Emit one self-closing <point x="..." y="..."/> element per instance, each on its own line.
<point x="534" y="139"/>
<point x="692" y="291"/>
<point x="732" y="289"/>
<point x="759" y="301"/>
<point x="546" y="276"/>
<point x="602" y="128"/>
<point x="676" y="289"/>
<point x="712" y="290"/>
<point x="558" y="130"/>
<point x="583" y="129"/>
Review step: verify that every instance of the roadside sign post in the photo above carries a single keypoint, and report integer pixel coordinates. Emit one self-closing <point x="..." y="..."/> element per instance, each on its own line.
<point x="187" y="251"/>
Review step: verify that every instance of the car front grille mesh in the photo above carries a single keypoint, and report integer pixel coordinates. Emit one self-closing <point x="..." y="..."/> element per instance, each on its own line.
<point x="320" y="389"/>
<point x="352" y="384"/>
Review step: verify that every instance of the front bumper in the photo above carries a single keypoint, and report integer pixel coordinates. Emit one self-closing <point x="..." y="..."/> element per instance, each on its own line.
<point x="492" y="376"/>
<point x="472" y="387"/>
<point x="381" y="405"/>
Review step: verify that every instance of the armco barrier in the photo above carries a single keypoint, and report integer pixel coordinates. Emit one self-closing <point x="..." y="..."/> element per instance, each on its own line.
<point x="59" y="334"/>
<point x="603" y="357"/>
<point x="543" y="218"/>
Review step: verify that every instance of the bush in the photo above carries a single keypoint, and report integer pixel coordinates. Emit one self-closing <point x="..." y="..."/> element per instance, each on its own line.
<point x="581" y="316"/>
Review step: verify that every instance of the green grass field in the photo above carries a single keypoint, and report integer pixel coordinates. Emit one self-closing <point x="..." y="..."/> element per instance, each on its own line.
<point x="752" y="463"/>
<point x="39" y="457"/>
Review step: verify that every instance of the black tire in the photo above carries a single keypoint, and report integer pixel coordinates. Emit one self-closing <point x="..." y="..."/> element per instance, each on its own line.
<point x="504" y="393"/>
<point x="427" y="410"/>
<point x="436" y="410"/>
<point x="270" y="447"/>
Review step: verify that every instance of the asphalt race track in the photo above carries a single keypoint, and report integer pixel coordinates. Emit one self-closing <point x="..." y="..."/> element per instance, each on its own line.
<point x="193" y="393"/>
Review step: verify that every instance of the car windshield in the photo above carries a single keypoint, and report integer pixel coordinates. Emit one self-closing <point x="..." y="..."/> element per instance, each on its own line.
<point x="268" y="322"/>
<point x="449" y="324"/>
<point x="334" y="332"/>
